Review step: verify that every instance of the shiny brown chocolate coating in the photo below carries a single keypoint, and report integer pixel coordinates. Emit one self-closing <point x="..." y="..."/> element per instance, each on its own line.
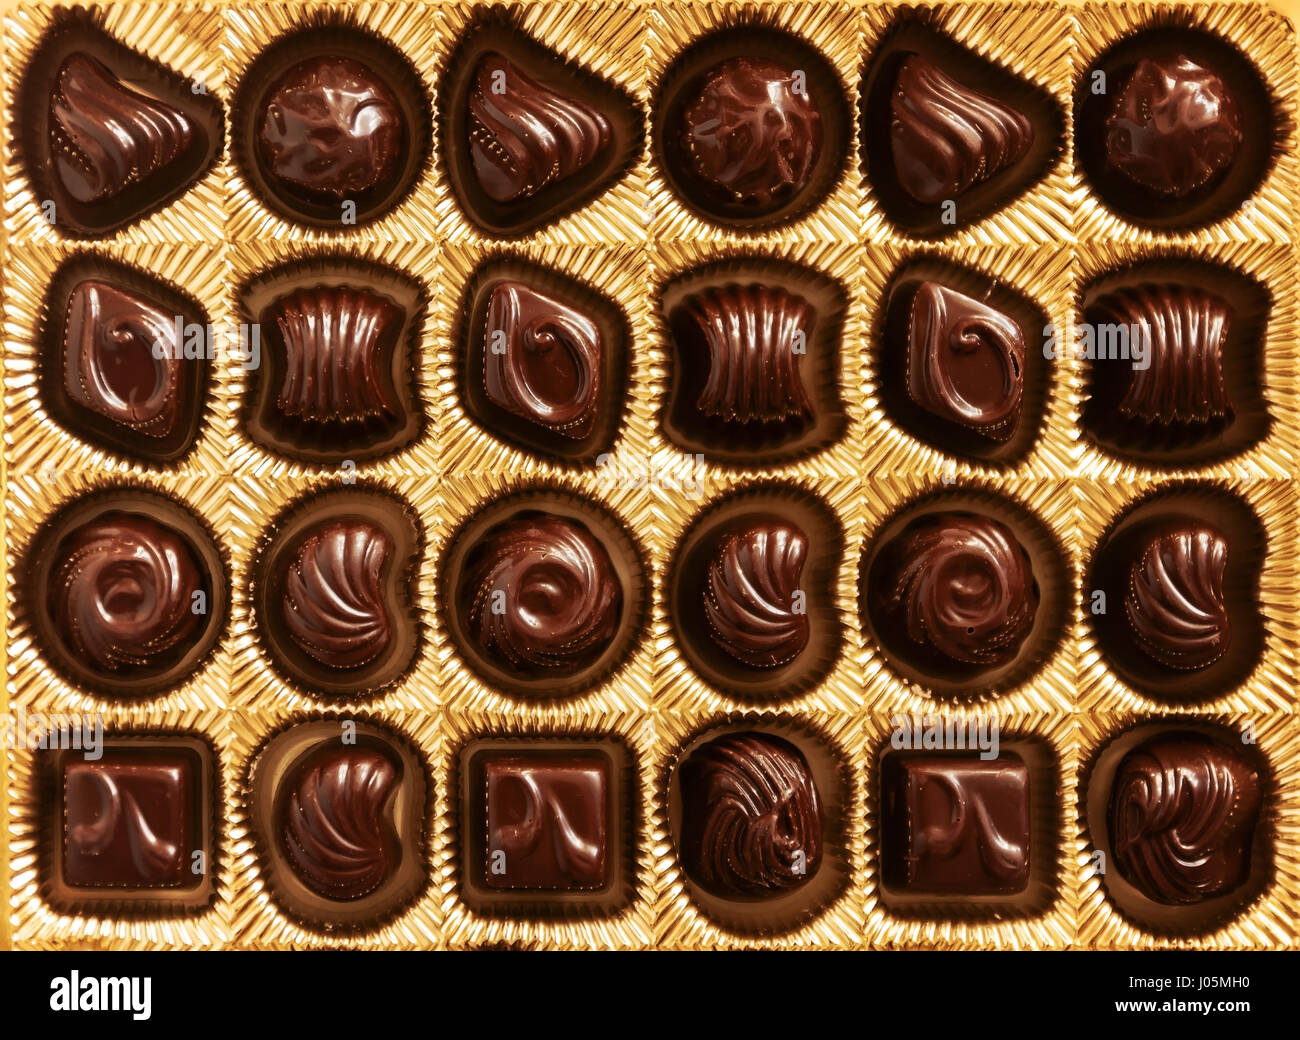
<point x="749" y="134"/>
<point x="750" y="594"/>
<point x="523" y="136"/>
<point x="542" y="359"/>
<point x="338" y="344"/>
<point x="1175" y="601"/>
<point x="106" y="137"/>
<point x="947" y="137"/>
<point x="112" y="338"/>
<point x="756" y="336"/>
<point x="1184" y="331"/>
<point x="333" y="597"/>
<point x="959" y="589"/>
<point x="965" y="361"/>
<point x="751" y="823"/>
<point x="1182" y="814"/>
<point x="336" y="835"/>
<point x="121" y="594"/>
<point x="1174" y="126"/>
<point x="329" y="128"/>
<point x="539" y="596"/>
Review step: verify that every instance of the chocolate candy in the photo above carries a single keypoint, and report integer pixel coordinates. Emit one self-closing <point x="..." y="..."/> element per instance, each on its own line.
<point x="751" y="817"/>
<point x="1175" y="601"/>
<point x="956" y="824"/>
<point x="946" y="136"/>
<point x="542" y="360"/>
<point x="757" y="613"/>
<point x="965" y="361"/>
<point x="1181" y="816"/>
<point x="1174" y="126"/>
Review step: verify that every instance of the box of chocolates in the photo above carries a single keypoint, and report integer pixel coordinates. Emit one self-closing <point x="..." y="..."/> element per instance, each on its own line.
<point x="650" y="474"/>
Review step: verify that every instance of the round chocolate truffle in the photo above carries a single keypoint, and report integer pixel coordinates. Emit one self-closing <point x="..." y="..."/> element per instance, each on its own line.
<point x="538" y="595"/>
<point x="121" y="595"/>
<point x="329" y="129"/>
<point x="751" y="817"/>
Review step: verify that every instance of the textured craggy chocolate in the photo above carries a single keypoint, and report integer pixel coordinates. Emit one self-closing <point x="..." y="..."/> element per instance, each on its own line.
<point x="524" y="136"/>
<point x="338" y="344"/>
<point x="330" y="128"/>
<point x="106" y="137"/>
<point x="750" y="592"/>
<point x="546" y="826"/>
<point x="1184" y="331"/>
<point x="111" y="340"/>
<point x="121" y="593"/>
<point x="946" y="137"/>
<point x="1174" y="126"/>
<point x="337" y="837"/>
<point x="956" y="825"/>
<point x="959" y="588"/>
<point x="334" y="597"/>
<point x="965" y="361"/>
<point x="1174" y="601"/>
<point x="1182" y="815"/>
<point x="751" y="817"/>
<point x="128" y="820"/>
<point x="750" y="135"/>
<point x="756" y="336"/>
<point x="538" y="595"/>
<point x="542" y="359"/>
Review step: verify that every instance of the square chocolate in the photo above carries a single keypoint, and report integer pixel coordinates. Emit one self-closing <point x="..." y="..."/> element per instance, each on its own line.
<point x="956" y="824"/>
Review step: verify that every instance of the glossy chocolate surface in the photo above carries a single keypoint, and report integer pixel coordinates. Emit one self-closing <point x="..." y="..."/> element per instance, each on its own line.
<point x="956" y="824"/>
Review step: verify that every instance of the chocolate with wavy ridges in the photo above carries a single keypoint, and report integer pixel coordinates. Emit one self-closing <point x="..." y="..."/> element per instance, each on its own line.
<point x="749" y="597"/>
<point x="947" y="137"/>
<point x="336" y="837"/>
<point x="539" y="595"/>
<point x="751" y="817"/>
<point x="756" y="336"/>
<point x="1174" y="602"/>
<point x="104" y="136"/>
<point x="121" y="593"/>
<point x="961" y="586"/>
<point x="1184" y="331"/>
<point x="524" y="136"/>
<point x="338" y="344"/>
<point x="750" y="135"/>
<point x="334" y="597"/>
<point x="1182" y="815"/>
<point x="542" y="359"/>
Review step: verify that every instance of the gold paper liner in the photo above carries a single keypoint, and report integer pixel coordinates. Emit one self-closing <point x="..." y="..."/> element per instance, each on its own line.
<point x="1052" y="686"/>
<point x="1271" y="686"/>
<point x="31" y="500"/>
<point x="1051" y="928"/>
<point x="413" y="29"/>
<point x="1273" y="458"/>
<point x="256" y="920"/>
<point x="679" y="923"/>
<point x="1034" y="41"/>
<point x="1269" y="921"/>
<point x="35" y="443"/>
<point x="630" y="927"/>
<point x="1041" y="273"/>
<point x="256" y="684"/>
<point x="678" y="689"/>
<point x="185" y="38"/>
<point x="37" y="925"/>
<point x="617" y="272"/>
<point x="1268" y="39"/>
<point x="606" y="37"/>
<point x="417" y="260"/>
<point x="832" y="29"/>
